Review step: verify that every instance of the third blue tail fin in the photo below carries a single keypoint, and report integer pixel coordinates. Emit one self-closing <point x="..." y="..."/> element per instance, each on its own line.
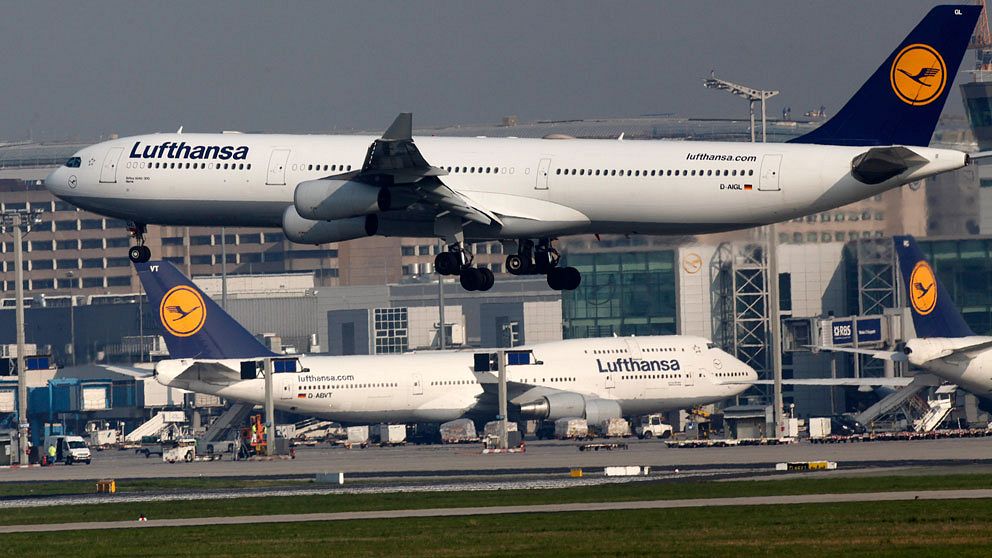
<point x="934" y="314"/>
<point x="193" y="325"/>
<point x="902" y="101"/>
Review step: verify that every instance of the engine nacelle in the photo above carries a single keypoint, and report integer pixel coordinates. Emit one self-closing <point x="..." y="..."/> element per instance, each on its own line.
<point x="598" y="410"/>
<point x="307" y="231"/>
<point x="330" y="200"/>
<point x="563" y="405"/>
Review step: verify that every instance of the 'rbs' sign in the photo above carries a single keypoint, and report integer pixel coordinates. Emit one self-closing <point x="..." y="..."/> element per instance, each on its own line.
<point x="842" y="332"/>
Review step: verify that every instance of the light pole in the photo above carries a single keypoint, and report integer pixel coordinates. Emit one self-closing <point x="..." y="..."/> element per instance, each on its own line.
<point x="72" y="316"/>
<point x="20" y="221"/>
<point x="752" y="96"/>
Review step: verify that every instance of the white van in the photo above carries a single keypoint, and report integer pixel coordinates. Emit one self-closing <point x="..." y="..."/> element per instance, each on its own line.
<point x="68" y="449"/>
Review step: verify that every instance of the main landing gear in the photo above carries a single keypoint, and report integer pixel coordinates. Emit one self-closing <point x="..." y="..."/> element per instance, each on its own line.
<point x="138" y="253"/>
<point x="458" y="261"/>
<point x="542" y="259"/>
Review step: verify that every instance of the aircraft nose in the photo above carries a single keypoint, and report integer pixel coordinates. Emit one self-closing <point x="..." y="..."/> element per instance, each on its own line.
<point x="57" y="182"/>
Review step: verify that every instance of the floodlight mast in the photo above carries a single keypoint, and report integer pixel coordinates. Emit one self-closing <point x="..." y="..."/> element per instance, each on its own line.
<point x="20" y="221"/>
<point x="774" y="323"/>
<point x="751" y="94"/>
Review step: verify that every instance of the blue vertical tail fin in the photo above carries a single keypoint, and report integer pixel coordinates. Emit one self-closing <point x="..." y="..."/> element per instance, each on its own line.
<point x="193" y="325"/>
<point x="902" y="101"/>
<point x="934" y="314"/>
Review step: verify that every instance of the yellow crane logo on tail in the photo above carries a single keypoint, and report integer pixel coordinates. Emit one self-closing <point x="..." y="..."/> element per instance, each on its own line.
<point x="922" y="289"/>
<point x="918" y="75"/>
<point x="182" y="311"/>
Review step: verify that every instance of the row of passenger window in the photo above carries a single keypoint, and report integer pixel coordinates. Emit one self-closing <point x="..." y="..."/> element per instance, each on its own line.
<point x="480" y="170"/>
<point x="652" y="377"/>
<point x="312" y="167"/>
<point x="347" y="386"/>
<point x="194" y="166"/>
<point x="654" y="172"/>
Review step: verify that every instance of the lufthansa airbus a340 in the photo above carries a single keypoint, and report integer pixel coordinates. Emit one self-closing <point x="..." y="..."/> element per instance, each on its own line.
<point x="527" y="192"/>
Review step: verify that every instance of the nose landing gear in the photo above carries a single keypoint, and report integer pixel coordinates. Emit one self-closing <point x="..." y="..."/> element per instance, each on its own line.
<point x="138" y="253"/>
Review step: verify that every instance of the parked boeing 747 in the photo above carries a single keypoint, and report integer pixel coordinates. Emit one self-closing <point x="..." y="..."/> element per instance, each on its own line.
<point x="594" y="379"/>
<point x="527" y="192"/>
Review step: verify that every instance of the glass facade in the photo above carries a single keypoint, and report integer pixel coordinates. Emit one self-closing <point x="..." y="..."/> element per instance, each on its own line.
<point x="623" y="293"/>
<point x="964" y="269"/>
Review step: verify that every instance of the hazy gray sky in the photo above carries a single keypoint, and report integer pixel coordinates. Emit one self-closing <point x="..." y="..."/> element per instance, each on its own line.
<point x="86" y="69"/>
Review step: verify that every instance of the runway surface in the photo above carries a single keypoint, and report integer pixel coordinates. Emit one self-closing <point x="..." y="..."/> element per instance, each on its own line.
<point x="498" y="510"/>
<point x="540" y="457"/>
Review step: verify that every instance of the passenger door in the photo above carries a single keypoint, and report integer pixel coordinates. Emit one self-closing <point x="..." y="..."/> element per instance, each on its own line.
<point x="277" y="167"/>
<point x="289" y="381"/>
<point x="418" y="385"/>
<point x="770" y="167"/>
<point x="543" y="172"/>
<point x="108" y="174"/>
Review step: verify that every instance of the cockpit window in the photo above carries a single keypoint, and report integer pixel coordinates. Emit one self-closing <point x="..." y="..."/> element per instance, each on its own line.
<point x="74" y="162"/>
<point x="711" y="345"/>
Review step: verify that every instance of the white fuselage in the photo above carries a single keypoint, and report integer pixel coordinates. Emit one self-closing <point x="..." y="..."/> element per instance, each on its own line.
<point x="643" y="375"/>
<point x="538" y="187"/>
<point x="969" y="370"/>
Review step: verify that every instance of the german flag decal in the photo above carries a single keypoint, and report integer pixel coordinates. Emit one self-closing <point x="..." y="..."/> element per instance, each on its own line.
<point x="749" y="187"/>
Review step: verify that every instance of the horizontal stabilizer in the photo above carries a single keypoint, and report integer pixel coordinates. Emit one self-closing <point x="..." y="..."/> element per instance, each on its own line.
<point x="879" y="164"/>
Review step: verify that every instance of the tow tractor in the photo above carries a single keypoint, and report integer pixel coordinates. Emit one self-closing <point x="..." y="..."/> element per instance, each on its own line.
<point x="184" y="449"/>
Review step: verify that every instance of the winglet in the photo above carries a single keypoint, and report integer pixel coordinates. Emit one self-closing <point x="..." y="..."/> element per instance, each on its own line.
<point x="401" y="128"/>
<point x="934" y="314"/>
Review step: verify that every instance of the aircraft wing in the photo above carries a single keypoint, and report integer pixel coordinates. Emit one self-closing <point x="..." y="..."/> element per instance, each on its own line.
<point x="894" y="356"/>
<point x="851" y="382"/>
<point x="518" y="392"/>
<point x="138" y="371"/>
<point x="393" y="161"/>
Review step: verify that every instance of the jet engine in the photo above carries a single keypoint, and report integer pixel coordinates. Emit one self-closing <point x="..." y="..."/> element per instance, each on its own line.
<point x="562" y="405"/>
<point x="306" y="231"/>
<point x="329" y="199"/>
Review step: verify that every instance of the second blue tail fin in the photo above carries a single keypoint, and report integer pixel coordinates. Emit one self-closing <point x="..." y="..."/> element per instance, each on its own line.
<point x="902" y="101"/>
<point x="934" y="313"/>
<point x="193" y="325"/>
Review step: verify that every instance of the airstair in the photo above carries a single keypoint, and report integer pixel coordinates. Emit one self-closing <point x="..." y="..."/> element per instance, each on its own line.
<point x="155" y="426"/>
<point x="896" y="399"/>
<point x="939" y="408"/>
<point x="228" y="424"/>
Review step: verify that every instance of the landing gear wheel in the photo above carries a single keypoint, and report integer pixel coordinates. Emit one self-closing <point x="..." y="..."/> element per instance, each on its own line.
<point x="517" y="265"/>
<point x="571" y="278"/>
<point x="488" y="279"/>
<point x="139" y="254"/>
<point x="564" y="278"/>
<point x="448" y="263"/>
<point x="471" y="279"/>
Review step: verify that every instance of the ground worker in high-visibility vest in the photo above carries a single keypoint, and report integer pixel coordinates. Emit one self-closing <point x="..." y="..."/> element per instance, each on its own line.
<point x="51" y="454"/>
